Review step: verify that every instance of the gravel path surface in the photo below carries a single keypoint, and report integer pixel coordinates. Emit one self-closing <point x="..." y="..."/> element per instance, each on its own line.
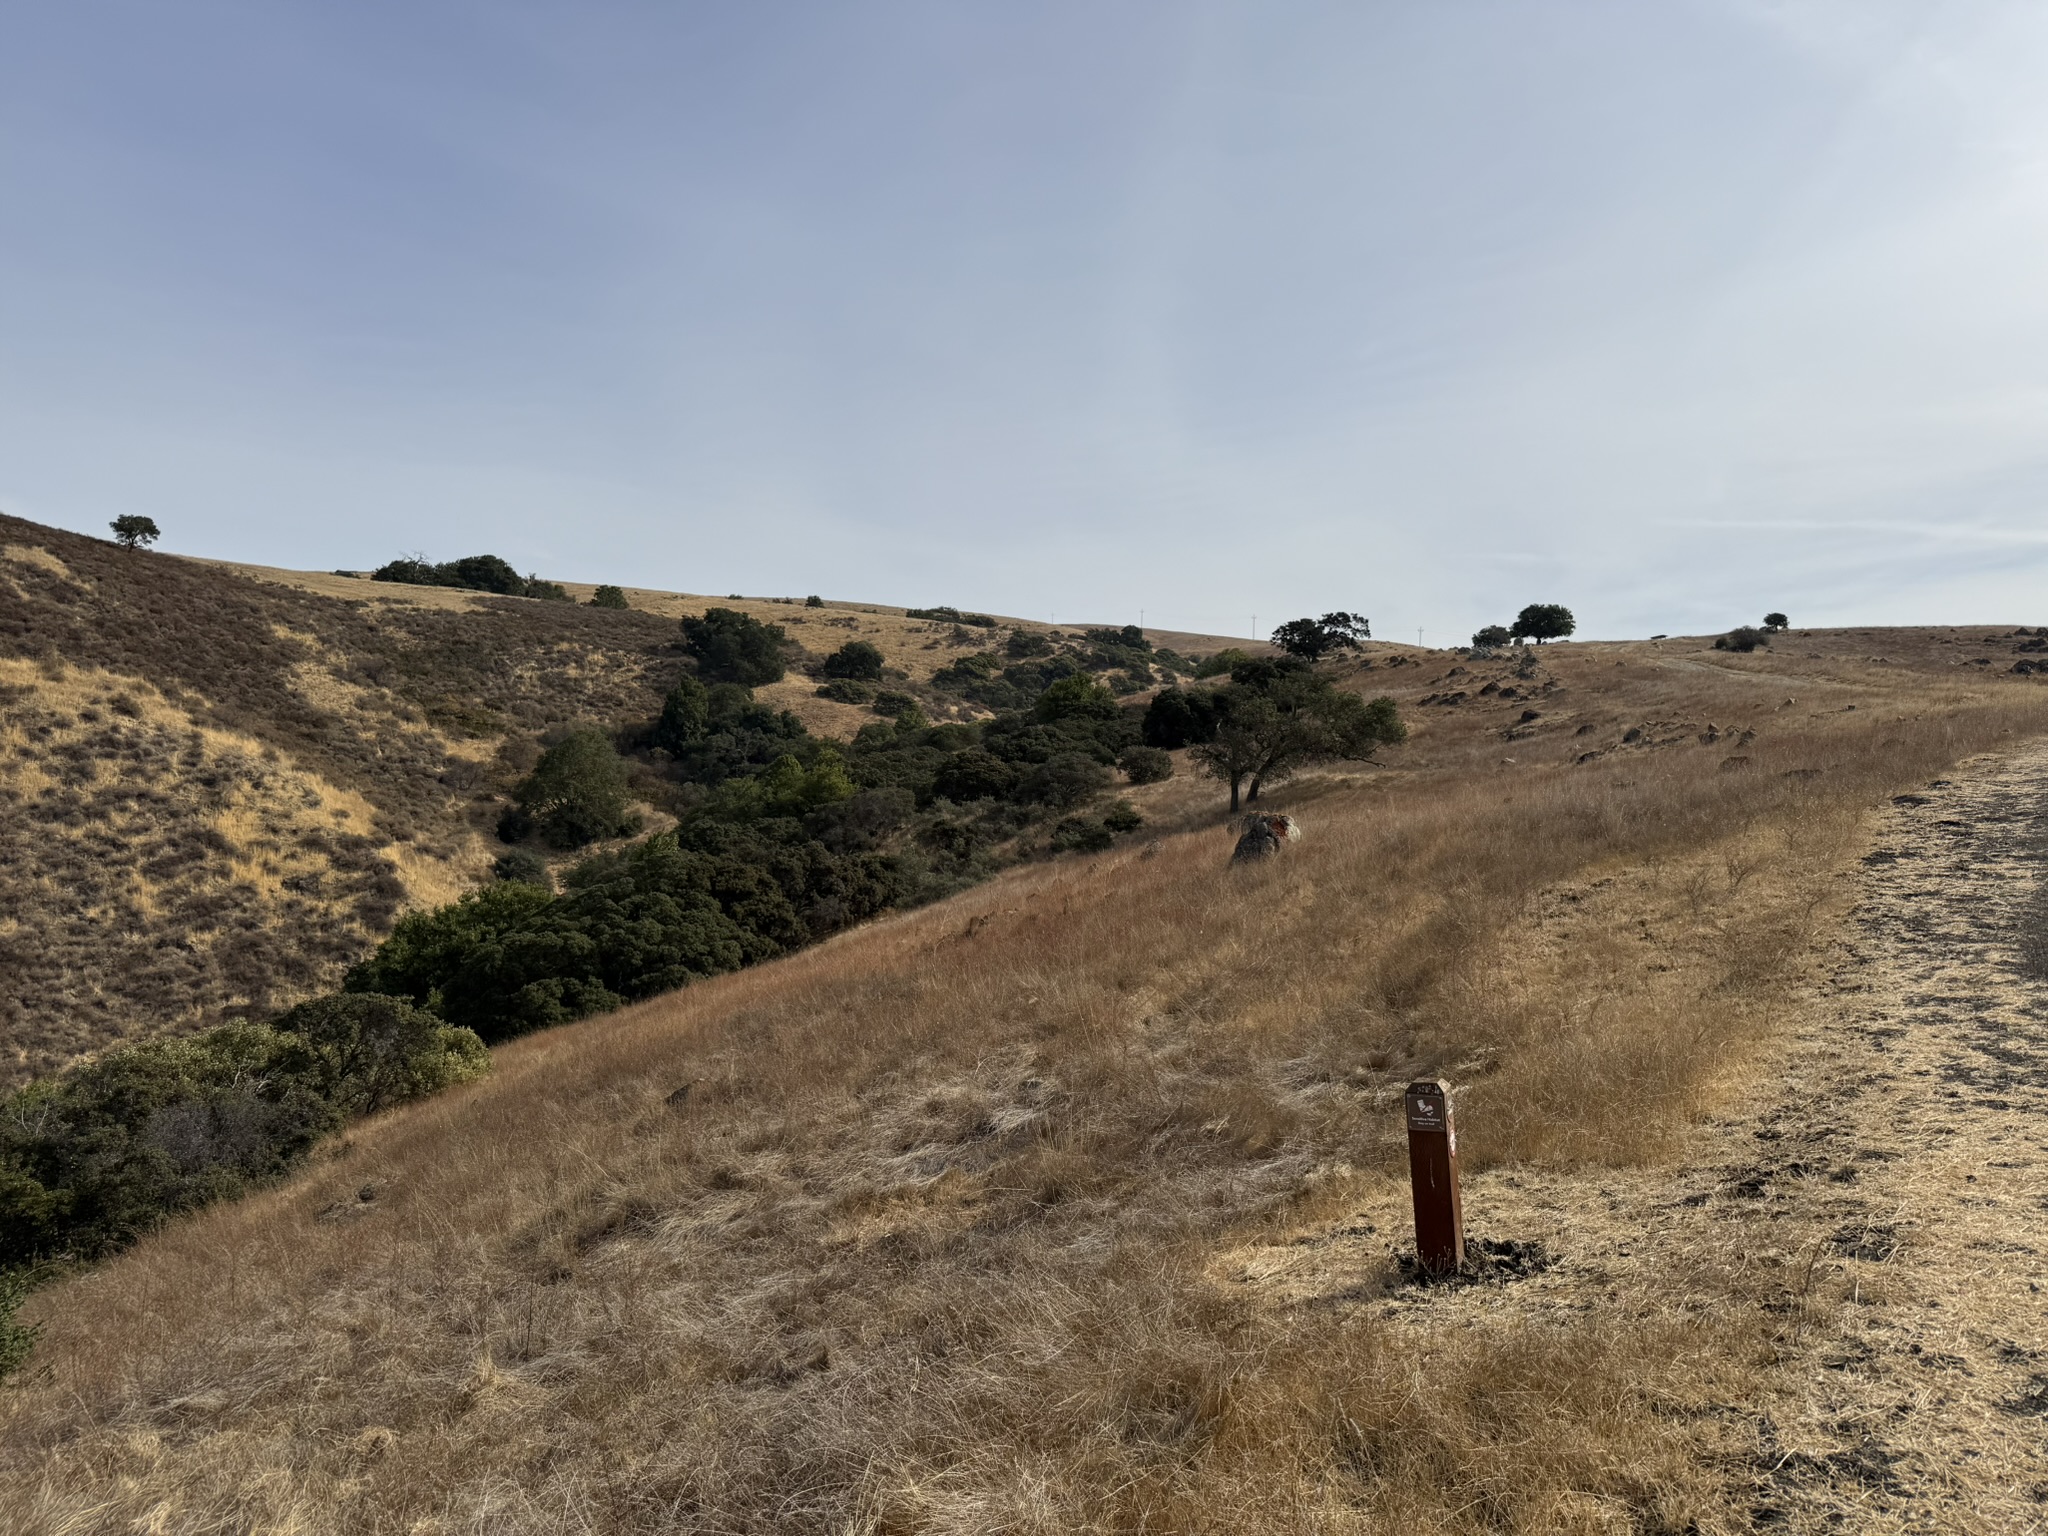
<point x="1910" y="1139"/>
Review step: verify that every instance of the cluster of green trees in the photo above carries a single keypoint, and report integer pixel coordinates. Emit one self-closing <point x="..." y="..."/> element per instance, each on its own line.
<point x="1127" y="658"/>
<point x="1008" y="679"/>
<point x="93" y="1158"/>
<point x="730" y="647"/>
<point x="708" y="897"/>
<point x="949" y="615"/>
<point x="1029" y="662"/>
<point x="782" y="836"/>
<point x="712" y="733"/>
<point x="1219" y="663"/>
<point x="476" y="573"/>
<point x="1538" y="622"/>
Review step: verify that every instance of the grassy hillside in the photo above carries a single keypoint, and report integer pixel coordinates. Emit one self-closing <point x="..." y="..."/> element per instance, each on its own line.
<point x="222" y="784"/>
<point x="1070" y="1203"/>
<point x="916" y="647"/>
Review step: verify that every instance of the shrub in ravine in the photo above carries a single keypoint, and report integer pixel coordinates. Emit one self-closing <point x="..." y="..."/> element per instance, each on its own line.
<point x="576" y="795"/>
<point x="1146" y="765"/>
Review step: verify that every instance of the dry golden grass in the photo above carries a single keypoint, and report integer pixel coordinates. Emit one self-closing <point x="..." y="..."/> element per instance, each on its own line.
<point x="944" y="1225"/>
<point x="39" y="559"/>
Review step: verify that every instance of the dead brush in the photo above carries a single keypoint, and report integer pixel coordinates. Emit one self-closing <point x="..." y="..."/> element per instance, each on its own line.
<point x="1043" y="1344"/>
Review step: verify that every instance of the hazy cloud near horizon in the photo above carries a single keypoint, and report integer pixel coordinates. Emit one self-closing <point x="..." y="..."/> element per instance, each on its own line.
<point x="1672" y="313"/>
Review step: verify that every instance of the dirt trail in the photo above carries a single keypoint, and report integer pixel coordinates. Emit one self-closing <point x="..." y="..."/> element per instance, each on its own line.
<point x="1914" y="1135"/>
<point x="1882" y="1194"/>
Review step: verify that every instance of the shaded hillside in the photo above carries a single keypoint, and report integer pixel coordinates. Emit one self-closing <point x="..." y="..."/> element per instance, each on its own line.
<point x="217" y="791"/>
<point x="1018" y="1212"/>
<point x="369" y="694"/>
<point x="163" y="873"/>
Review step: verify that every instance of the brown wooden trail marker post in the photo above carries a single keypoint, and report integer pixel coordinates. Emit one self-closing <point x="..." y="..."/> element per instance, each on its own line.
<point x="1433" y="1177"/>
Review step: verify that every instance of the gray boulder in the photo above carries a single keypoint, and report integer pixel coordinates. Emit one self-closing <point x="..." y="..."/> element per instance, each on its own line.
<point x="1261" y="835"/>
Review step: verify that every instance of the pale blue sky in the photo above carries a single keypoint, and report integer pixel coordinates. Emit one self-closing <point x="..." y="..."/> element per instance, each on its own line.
<point x="1671" y="312"/>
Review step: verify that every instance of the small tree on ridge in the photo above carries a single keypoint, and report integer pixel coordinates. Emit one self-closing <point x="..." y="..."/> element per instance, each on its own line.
<point x="134" y="531"/>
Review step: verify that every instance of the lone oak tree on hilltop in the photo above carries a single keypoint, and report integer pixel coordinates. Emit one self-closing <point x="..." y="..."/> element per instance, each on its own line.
<point x="1544" y="621"/>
